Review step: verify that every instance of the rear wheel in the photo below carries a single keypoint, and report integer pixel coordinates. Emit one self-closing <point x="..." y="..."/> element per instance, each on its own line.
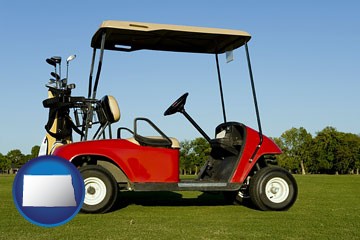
<point x="101" y="189"/>
<point x="273" y="188"/>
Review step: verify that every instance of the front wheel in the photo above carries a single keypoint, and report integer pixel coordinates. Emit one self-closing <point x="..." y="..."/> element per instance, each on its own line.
<point x="273" y="188"/>
<point x="101" y="189"/>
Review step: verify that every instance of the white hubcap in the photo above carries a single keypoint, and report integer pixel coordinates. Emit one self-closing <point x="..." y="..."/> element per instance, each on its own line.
<point x="277" y="190"/>
<point x="95" y="191"/>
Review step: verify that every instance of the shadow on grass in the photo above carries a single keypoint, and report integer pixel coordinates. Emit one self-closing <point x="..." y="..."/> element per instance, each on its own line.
<point x="172" y="199"/>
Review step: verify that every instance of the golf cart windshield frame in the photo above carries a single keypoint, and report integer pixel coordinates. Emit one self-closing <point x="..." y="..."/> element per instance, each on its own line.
<point x="133" y="36"/>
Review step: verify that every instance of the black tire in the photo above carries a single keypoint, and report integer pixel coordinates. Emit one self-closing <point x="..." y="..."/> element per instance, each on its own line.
<point x="273" y="188"/>
<point x="101" y="189"/>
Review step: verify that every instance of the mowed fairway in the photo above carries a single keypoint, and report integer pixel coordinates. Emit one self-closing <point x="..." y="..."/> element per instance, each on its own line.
<point x="328" y="207"/>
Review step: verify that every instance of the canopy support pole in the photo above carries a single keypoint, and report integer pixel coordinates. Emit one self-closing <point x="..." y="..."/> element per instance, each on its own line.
<point x="91" y="72"/>
<point x="255" y="103"/>
<point x="220" y="86"/>
<point x="90" y="110"/>
<point x="99" y="65"/>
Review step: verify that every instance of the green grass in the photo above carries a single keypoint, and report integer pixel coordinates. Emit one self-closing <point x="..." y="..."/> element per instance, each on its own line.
<point x="328" y="207"/>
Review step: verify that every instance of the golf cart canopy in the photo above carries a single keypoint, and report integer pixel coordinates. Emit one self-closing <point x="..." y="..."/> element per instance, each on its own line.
<point x="132" y="36"/>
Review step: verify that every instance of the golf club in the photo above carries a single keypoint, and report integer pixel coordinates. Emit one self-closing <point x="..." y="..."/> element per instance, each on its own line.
<point x="57" y="60"/>
<point x="51" y="62"/>
<point x="69" y="59"/>
<point x="55" y="75"/>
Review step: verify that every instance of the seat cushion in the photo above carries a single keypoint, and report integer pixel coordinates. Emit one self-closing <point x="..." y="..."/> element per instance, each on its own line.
<point x="174" y="142"/>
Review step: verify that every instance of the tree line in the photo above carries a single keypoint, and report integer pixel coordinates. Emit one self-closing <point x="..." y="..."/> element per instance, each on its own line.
<point x="14" y="159"/>
<point x="329" y="152"/>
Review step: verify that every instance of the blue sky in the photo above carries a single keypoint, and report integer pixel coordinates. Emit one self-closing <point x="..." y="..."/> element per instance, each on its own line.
<point x="305" y="58"/>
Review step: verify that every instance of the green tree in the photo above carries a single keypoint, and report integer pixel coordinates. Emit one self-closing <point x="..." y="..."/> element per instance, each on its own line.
<point x="193" y="155"/>
<point x="329" y="153"/>
<point x="356" y="165"/>
<point x="35" y="151"/>
<point x="201" y="149"/>
<point x="16" y="157"/>
<point x="349" y="154"/>
<point x="185" y="154"/>
<point x="295" y="144"/>
<point x="5" y="163"/>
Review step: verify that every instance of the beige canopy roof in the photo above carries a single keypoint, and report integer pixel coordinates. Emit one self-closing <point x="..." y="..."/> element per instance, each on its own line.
<point x="131" y="36"/>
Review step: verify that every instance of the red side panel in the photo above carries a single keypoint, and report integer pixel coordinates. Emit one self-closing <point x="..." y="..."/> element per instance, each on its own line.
<point x="252" y="140"/>
<point x="139" y="163"/>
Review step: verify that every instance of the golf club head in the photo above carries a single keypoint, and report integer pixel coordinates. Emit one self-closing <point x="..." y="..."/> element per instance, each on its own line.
<point x="55" y="75"/>
<point x="51" y="80"/>
<point x="63" y="82"/>
<point x="56" y="59"/>
<point x="51" y="62"/>
<point x="70" y="58"/>
<point x="71" y="86"/>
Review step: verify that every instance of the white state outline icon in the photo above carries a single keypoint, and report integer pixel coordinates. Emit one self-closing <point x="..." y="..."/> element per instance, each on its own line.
<point x="48" y="191"/>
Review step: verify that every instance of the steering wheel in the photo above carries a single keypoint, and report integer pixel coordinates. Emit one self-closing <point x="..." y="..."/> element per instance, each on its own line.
<point x="177" y="106"/>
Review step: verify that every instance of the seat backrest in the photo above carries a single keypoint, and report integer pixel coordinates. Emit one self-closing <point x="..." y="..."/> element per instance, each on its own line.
<point x="111" y="108"/>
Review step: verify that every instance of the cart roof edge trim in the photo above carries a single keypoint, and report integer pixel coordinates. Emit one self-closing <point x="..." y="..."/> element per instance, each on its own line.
<point x="132" y="36"/>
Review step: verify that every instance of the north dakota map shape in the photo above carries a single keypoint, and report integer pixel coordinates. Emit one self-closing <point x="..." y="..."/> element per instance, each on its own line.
<point x="48" y="191"/>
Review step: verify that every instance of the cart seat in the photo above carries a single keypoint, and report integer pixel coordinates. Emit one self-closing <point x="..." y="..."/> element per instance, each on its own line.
<point x="174" y="142"/>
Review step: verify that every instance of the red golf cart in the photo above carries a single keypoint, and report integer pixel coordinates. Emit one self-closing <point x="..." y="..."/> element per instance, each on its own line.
<point x="240" y="164"/>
